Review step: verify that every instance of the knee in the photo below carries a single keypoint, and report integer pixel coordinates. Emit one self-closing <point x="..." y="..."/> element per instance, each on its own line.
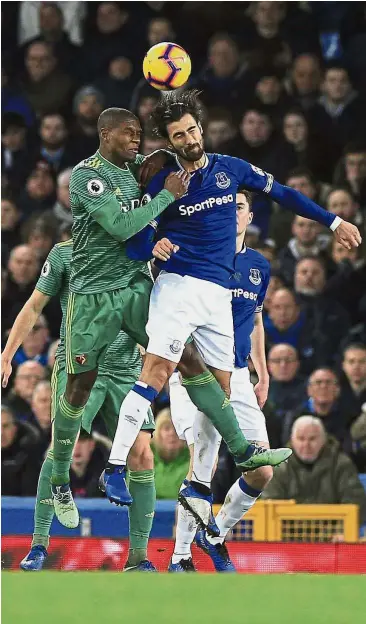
<point x="259" y="478"/>
<point x="191" y="363"/>
<point x="156" y="371"/>
<point x="140" y="456"/>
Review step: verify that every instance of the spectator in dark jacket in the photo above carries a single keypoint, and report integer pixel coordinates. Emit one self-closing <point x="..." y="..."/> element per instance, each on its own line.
<point x="41" y="408"/>
<point x="351" y="170"/>
<point x="330" y="321"/>
<point x="286" y="387"/>
<point x="20" y="460"/>
<point x="10" y="228"/>
<point x="34" y="346"/>
<point x="306" y="241"/>
<point x="354" y="381"/>
<point x="62" y="210"/>
<point x="87" y="105"/>
<point x="23" y="268"/>
<point x="323" y="401"/>
<point x="87" y="464"/>
<point x="347" y="282"/>
<point x="39" y="192"/>
<point x="317" y="472"/>
<point x="55" y="148"/>
<point x="27" y="376"/>
<point x="48" y="89"/>
<point x="14" y="149"/>
<point x="305" y="80"/>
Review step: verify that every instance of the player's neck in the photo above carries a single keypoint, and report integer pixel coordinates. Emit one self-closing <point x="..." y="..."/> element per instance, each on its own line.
<point x="240" y="242"/>
<point x="189" y="165"/>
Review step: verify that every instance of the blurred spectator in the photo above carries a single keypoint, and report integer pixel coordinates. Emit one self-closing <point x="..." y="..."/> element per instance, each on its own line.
<point x="310" y="152"/>
<point x="257" y="143"/>
<point x="150" y="143"/>
<point x="286" y="386"/>
<point x="41" y="408"/>
<point x="317" y="472"/>
<point x="304" y="85"/>
<point x="65" y="233"/>
<point x="329" y="320"/>
<point x="48" y="89"/>
<point x="270" y="93"/>
<point x="26" y="378"/>
<point x="354" y="382"/>
<point x="171" y="457"/>
<point x="51" y="25"/>
<point x="275" y="283"/>
<point x="14" y="150"/>
<point x="30" y="23"/>
<point x="159" y="29"/>
<point x="55" y="148"/>
<point x="267" y="249"/>
<point x="339" y="115"/>
<point x="226" y="80"/>
<point x="287" y="323"/>
<point x="35" y="345"/>
<point x="347" y="284"/>
<point x="10" y="230"/>
<point x="13" y="100"/>
<point x="112" y="38"/>
<point x="20" y="461"/>
<point x="351" y="171"/>
<point x="87" y="106"/>
<point x="62" y="210"/>
<point x="219" y="128"/>
<point x="144" y="107"/>
<point x="87" y="464"/>
<point x="305" y="242"/>
<point x="358" y="435"/>
<point x="323" y="401"/>
<point x="264" y="43"/>
<point x="118" y="82"/>
<point x="341" y="202"/>
<point x="39" y="192"/>
<point x="39" y="232"/>
<point x="23" y="268"/>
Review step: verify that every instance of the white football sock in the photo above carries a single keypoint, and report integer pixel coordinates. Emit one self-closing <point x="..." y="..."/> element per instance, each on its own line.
<point x="206" y="446"/>
<point x="184" y="534"/>
<point x="236" y="504"/>
<point x="133" y="412"/>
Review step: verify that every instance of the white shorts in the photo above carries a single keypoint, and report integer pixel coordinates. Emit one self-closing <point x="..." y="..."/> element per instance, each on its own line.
<point x="243" y="400"/>
<point x="181" y="306"/>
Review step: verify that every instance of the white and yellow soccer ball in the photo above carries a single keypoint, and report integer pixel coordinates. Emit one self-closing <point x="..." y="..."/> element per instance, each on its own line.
<point x="167" y="66"/>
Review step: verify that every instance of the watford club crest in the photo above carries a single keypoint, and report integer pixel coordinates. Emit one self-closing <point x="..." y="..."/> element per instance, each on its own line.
<point x="80" y="359"/>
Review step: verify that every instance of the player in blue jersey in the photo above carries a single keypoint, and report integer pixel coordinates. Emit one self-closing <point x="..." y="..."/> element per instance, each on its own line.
<point x="252" y="273"/>
<point x="191" y="294"/>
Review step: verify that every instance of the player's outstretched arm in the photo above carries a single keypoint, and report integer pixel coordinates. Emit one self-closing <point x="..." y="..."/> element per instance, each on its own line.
<point x="257" y="180"/>
<point x="23" y="324"/>
<point x="93" y="193"/>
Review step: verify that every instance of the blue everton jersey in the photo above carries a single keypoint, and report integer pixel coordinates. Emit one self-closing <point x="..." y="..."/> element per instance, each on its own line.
<point x="203" y="221"/>
<point x="248" y="286"/>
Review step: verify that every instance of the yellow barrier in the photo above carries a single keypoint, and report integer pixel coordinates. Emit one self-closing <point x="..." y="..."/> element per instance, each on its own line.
<point x="286" y="521"/>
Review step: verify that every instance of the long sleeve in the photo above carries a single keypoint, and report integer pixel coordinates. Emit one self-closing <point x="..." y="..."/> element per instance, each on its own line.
<point x="140" y="246"/>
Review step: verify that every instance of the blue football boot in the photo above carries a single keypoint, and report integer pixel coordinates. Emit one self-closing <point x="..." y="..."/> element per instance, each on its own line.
<point x="200" y="506"/>
<point x="34" y="560"/>
<point x="184" y="565"/>
<point x="218" y="553"/>
<point x="143" y="566"/>
<point x="113" y="480"/>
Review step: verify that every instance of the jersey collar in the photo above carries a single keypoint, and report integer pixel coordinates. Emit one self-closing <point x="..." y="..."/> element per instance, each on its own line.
<point x="125" y="168"/>
<point x="205" y="164"/>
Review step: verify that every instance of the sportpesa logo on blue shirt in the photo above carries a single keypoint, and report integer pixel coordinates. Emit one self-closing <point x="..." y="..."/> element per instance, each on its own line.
<point x="207" y="203"/>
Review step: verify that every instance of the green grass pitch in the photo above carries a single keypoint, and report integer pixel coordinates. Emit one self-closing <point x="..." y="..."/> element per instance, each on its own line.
<point x="98" y="597"/>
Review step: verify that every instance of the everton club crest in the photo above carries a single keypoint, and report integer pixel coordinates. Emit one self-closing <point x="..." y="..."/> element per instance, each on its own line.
<point x="255" y="276"/>
<point x="222" y="181"/>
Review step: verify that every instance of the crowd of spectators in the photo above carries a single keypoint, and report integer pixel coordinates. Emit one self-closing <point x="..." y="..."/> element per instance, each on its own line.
<point x="284" y="87"/>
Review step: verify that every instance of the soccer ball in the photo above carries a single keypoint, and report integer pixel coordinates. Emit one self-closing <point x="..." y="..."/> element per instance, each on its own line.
<point x="166" y="66"/>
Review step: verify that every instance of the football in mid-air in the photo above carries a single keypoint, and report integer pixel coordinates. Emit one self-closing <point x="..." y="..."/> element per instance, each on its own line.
<point x="166" y="66"/>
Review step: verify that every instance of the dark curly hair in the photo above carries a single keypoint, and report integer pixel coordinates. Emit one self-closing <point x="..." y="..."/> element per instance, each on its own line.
<point x="172" y="107"/>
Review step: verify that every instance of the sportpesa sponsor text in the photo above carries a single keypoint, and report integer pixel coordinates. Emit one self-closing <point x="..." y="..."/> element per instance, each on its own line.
<point x="204" y="205"/>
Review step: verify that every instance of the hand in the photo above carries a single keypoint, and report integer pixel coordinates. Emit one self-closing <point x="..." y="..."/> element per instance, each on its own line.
<point x="164" y="249"/>
<point x="152" y="165"/>
<point x="348" y="235"/>
<point x="177" y="183"/>
<point x="261" y="391"/>
<point x="6" y="370"/>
